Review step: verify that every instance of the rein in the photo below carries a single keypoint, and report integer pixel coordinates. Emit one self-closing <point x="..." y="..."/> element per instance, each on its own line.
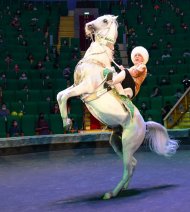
<point x="96" y="94"/>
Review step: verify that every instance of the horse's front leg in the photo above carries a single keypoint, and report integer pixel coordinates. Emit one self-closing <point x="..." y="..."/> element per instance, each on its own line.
<point x="62" y="102"/>
<point x="133" y="165"/>
<point x="64" y="95"/>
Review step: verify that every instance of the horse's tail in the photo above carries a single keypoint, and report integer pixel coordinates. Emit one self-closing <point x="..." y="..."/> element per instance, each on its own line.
<point x="159" y="140"/>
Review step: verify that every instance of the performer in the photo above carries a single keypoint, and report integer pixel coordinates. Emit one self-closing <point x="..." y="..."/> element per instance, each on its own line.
<point x="128" y="81"/>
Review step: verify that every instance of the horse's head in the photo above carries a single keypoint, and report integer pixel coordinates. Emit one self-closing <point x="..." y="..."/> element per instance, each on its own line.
<point x="104" y="27"/>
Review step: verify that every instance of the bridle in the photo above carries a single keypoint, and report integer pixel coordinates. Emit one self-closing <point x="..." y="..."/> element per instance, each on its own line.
<point x="104" y="40"/>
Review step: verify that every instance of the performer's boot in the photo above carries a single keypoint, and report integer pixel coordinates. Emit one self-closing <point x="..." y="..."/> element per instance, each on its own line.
<point x="109" y="78"/>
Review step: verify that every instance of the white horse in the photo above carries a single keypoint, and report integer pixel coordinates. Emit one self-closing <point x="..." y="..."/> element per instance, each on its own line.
<point x="129" y="128"/>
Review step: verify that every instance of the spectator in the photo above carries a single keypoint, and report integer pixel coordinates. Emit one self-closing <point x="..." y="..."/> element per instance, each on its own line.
<point x="24" y="43"/>
<point x="149" y="117"/>
<point x="47" y="82"/>
<point x="185" y="27"/>
<point x="18" y="12"/>
<point x="74" y="126"/>
<point x="44" y="43"/>
<point x="149" y="30"/>
<point x="157" y="62"/>
<point x="165" y="55"/>
<point x="3" y="80"/>
<point x="153" y="46"/>
<point x="179" y="61"/>
<point x="186" y="53"/>
<point x="75" y="49"/>
<point x="181" y="14"/>
<point x="23" y="76"/>
<point x="8" y="11"/>
<point x="171" y="71"/>
<point x="65" y="43"/>
<point x="4" y="112"/>
<point x="69" y="125"/>
<point x="178" y="94"/>
<point x="156" y="7"/>
<point x="172" y="31"/>
<point x="25" y="87"/>
<point x="186" y="82"/>
<point x="155" y="92"/>
<point x="168" y="26"/>
<point x="42" y="126"/>
<point x="139" y="19"/>
<point x="68" y="84"/>
<point x="164" y="81"/>
<point x="54" y="53"/>
<point x="3" y="76"/>
<point x="14" y="130"/>
<point x="15" y="22"/>
<point x="67" y="73"/>
<point x="169" y="47"/>
<point x="46" y="77"/>
<point x="48" y="8"/>
<point x="143" y="108"/>
<point x="40" y="65"/>
<point x="1" y="40"/>
<point x="16" y="68"/>
<point x="47" y="58"/>
<point x="155" y="20"/>
<point x="8" y="60"/>
<point x="30" y="58"/>
<point x="55" y="109"/>
<point x="20" y="38"/>
<point x="20" y="107"/>
<point x="33" y="24"/>
<point x="75" y="57"/>
<point x="165" y="110"/>
<point x="160" y="40"/>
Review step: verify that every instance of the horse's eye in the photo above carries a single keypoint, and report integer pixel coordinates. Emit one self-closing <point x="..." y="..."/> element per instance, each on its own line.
<point x="105" y="21"/>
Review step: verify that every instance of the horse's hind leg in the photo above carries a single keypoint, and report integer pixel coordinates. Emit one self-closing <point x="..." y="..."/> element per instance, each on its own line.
<point x="115" y="141"/>
<point x="131" y="171"/>
<point x="132" y="138"/>
<point x="127" y="161"/>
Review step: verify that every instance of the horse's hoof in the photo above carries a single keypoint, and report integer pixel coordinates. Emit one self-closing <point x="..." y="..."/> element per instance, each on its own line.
<point x="107" y="196"/>
<point x="65" y="122"/>
<point x="124" y="189"/>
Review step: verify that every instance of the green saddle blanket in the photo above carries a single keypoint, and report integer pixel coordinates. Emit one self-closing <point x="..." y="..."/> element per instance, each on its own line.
<point x="126" y="102"/>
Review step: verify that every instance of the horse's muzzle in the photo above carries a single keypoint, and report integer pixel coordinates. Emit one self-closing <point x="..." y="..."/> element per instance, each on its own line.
<point x="89" y="29"/>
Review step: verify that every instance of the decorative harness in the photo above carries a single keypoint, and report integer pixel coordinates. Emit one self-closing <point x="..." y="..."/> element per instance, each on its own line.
<point x="103" y="40"/>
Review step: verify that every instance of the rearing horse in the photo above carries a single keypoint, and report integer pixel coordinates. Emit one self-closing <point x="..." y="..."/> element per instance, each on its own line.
<point x="107" y="106"/>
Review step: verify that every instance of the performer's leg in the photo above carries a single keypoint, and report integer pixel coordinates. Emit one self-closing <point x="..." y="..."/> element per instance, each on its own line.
<point x="119" y="89"/>
<point x="128" y="92"/>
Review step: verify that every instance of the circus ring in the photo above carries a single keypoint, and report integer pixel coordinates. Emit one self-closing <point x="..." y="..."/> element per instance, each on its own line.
<point x="71" y="172"/>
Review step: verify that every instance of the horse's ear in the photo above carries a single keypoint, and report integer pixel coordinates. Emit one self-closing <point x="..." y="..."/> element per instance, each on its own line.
<point x="115" y="17"/>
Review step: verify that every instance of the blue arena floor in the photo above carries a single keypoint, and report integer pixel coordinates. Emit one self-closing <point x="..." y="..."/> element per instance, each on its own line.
<point x="75" y="180"/>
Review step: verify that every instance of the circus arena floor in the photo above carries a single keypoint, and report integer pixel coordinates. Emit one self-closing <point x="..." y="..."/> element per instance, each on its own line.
<point x="75" y="180"/>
